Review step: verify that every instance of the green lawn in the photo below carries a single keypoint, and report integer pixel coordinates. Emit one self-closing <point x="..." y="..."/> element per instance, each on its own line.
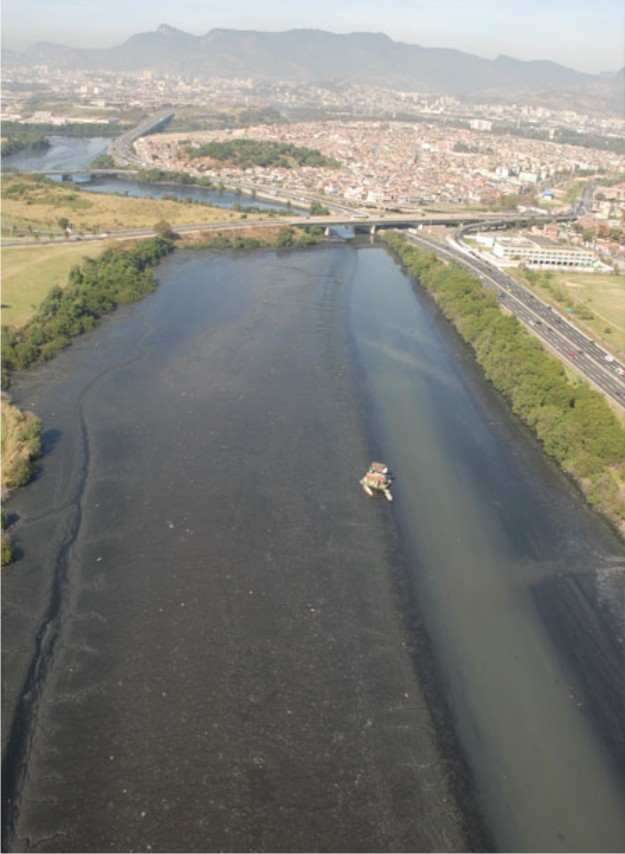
<point x="604" y="296"/>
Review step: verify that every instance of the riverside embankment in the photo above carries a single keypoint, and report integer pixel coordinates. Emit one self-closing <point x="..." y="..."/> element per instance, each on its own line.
<point x="216" y="641"/>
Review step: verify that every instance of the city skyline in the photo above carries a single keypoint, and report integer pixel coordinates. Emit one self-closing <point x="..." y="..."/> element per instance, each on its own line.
<point x="574" y="33"/>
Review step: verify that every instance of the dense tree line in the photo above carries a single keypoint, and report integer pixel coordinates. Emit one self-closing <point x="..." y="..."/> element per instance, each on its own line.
<point x="103" y="161"/>
<point x="22" y="142"/>
<point x="154" y="175"/>
<point x="78" y="130"/>
<point x="574" y="423"/>
<point x="284" y="238"/>
<point x="245" y="153"/>
<point x="94" y="289"/>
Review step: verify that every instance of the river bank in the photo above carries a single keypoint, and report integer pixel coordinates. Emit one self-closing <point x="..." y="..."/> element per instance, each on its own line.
<point x="573" y="422"/>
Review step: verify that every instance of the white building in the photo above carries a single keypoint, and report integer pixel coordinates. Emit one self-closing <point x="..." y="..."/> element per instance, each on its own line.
<point x="540" y="252"/>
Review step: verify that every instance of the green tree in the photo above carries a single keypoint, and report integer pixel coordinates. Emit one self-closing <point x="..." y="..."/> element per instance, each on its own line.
<point x="317" y="209"/>
<point x="163" y="229"/>
<point x="285" y="236"/>
<point x="103" y="161"/>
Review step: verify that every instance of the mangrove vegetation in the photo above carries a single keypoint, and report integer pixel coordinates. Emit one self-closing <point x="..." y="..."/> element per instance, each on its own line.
<point x="23" y="142"/>
<point x="574" y="423"/>
<point x="95" y="288"/>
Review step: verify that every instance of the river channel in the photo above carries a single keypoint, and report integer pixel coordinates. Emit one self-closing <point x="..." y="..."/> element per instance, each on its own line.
<point x="214" y="640"/>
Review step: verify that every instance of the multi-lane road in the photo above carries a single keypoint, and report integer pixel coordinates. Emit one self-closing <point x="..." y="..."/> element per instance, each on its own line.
<point x="559" y="335"/>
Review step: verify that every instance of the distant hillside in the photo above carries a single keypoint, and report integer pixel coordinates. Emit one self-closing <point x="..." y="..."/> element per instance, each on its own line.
<point x="316" y="55"/>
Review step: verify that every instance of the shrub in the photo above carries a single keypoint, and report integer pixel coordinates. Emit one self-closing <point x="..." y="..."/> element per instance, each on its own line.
<point x="7" y="551"/>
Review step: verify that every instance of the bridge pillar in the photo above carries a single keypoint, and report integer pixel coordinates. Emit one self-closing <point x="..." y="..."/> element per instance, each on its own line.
<point x="372" y="230"/>
<point x="327" y="231"/>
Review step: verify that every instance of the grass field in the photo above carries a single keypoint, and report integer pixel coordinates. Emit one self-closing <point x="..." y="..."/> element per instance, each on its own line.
<point x="603" y="296"/>
<point x="28" y="273"/>
<point x="31" y="205"/>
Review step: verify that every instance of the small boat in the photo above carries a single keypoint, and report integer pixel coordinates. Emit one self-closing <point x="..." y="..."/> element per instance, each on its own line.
<point x="377" y="479"/>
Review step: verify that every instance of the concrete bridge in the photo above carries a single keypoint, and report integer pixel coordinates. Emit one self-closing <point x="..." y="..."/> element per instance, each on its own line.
<point x="465" y="221"/>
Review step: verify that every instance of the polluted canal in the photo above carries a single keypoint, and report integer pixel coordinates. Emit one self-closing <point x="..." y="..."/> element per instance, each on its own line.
<point x="215" y="640"/>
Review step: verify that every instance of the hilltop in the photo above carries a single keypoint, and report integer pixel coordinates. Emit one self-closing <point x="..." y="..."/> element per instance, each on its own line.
<point x="307" y="55"/>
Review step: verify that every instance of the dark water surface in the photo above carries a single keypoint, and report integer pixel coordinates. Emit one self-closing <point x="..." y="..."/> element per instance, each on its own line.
<point x="183" y="192"/>
<point x="215" y="641"/>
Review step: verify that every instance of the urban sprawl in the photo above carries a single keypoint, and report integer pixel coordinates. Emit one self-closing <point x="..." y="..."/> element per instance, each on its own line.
<point x="396" y="150"/>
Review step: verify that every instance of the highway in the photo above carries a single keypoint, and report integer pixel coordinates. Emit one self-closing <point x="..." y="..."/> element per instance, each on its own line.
<point x="561" y="337"/>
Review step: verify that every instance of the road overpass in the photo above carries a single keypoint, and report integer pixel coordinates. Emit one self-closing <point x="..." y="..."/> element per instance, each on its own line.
<point x="371" y="223"/>
<point x="120" y="147"/>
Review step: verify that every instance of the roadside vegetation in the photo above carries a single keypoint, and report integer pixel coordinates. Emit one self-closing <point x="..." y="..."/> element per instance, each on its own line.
<point x="574" y="423"/>
<point x="154" y="175"/>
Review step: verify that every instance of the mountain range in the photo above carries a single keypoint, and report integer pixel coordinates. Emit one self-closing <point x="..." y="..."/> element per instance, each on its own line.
<point x="307" y="55"/>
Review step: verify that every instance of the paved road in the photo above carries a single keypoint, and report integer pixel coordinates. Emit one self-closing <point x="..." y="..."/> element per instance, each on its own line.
<point x="578" y="351"/>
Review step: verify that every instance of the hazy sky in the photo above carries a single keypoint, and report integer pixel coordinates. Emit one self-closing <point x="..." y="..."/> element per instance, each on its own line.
<point x="588" y="35"/>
